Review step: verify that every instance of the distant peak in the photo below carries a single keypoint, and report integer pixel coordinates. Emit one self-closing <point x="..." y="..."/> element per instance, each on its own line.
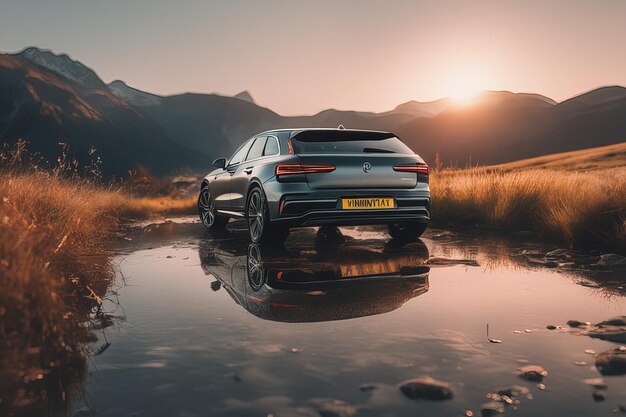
<point x="63" y="65"/>
<point x="245" y="96"/>
<point x="131" y="95"/>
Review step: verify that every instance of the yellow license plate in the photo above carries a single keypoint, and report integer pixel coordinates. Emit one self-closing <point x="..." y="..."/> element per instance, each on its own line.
<point x="367" y="203"/>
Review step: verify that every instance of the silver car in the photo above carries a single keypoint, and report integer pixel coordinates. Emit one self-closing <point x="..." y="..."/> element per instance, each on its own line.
<point x="312" y="177"/>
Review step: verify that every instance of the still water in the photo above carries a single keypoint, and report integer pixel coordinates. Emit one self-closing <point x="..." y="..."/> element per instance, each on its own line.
<point x="332" y="323"/>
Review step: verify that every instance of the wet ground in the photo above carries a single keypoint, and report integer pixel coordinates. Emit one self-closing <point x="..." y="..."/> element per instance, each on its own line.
<point x="333" y="324"/>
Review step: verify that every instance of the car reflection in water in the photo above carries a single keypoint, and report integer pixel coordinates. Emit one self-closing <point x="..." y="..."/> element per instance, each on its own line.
<point x="318" y="277"/>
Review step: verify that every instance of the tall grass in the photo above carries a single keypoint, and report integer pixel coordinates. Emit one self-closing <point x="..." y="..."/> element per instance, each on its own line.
<point x="54" y="273"/>
<point x="585" y="209"/>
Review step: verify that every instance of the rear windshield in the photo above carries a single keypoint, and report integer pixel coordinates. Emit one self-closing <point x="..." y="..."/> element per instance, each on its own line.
<point x="349" y="141"/>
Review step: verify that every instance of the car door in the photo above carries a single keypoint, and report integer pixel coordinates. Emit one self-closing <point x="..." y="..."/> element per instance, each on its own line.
<point x="223" y="196"/>
<point x="240" y="181"/>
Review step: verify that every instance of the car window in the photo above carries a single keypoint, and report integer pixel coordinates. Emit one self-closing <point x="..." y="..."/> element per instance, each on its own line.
<point x="271" y="147"/>
<point x="240" y="154"/>
<point x="256" y="151"/>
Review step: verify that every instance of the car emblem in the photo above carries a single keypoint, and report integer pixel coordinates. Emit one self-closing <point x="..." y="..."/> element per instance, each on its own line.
<point x="367" y="167"/>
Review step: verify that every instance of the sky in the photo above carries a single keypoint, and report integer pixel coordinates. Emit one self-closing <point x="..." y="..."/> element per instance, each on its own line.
<point x="300" y="57"/>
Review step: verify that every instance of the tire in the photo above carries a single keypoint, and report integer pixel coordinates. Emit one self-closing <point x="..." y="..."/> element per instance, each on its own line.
<point x="207" y="212"/>
<point x="260" y="229"/>
<point x="257" y="275"/>
<point x="407" y="231"/>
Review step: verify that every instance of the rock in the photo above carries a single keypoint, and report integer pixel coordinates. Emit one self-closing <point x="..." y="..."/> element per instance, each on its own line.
<point x="615" y="321"/>
<point x="517" y="331"/>
<point x="622" y="408"/>
<point x="368" y="387"/>
<point x="613" y="330"/>
<point x="491" y="408"/>
<point x="580" y="363"/>
<point x="612" y="362"/>
<point x="599" y="395"/>
<point x="558" y="254"/>
<point x="575" y="323"/>
<point x="494" y="397"/>
<point x="612" y="260"/>
<point x="469" y="413"/>
<point x="216" y="285"/>
<point x="334" y="408"/>
<point x="551" y="327"/>
<point x="494" y="340"/>
<point x="533" y="373"/>
<point x="514" y="391"/>
<point x="541" y="387"/>
<point x="426" y="388"/>
<point x="597" y="383"/>
<point x="590" y="351"/>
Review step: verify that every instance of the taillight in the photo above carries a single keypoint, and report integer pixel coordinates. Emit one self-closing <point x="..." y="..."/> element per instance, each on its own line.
<point x="418" y="168"/>
<point x="290" y="147"/>
<point x="293" y="169"/>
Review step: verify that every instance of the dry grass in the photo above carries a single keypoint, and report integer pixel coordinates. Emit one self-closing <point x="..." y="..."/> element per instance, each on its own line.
<point x="54" y="273"/>
<point x="582" y="209"/>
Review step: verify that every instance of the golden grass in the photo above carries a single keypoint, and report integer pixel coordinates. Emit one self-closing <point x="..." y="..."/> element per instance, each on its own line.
<point x="582" y="209"/>
<point x="54" y="273"/>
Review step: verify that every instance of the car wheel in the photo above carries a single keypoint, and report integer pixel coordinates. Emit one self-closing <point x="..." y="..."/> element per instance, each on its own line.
<point x="257" y="215"/>
<point x="208" y="213"/>
<point x="407" y="230"/>
<point x="256" y="271"/>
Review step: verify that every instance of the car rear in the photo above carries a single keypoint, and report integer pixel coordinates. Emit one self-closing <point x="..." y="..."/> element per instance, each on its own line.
<point x="348" y="177"/>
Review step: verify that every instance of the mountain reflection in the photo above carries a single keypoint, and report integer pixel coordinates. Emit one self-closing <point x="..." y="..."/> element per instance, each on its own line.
<point x="317" y="279"/>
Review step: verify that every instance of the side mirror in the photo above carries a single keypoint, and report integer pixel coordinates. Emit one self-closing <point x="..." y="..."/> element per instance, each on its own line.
<point x="219" y="163"/>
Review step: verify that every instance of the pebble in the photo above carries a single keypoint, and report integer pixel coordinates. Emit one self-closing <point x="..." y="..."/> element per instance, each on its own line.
<point x="528" y="330"/>
<point x="517" y="331"/>
<point x="580" y="363"/>
<point x="533" y="373"/>
<point x="575" y="323"/>
<point x="551" y="327"/>
<point x="612" y="362"/>
<point x="494" y="340"/>
<point x="541" y="387"/>
<point x="513" y="390"/>
<point x="599" y="395"/>
<point x="426" y="388"/>
<point x="335" y="408"/>
<point x="469" y="413"/>
<point x="590" y="351"/>
<point x="491" y="408"/>
<point x="597" y="383"/>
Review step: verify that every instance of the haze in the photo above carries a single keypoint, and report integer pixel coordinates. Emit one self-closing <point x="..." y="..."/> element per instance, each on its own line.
<point x="302" y="57"/>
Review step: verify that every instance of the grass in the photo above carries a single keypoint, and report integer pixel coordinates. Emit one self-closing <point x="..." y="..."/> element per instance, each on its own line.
<point x="580" y="209"/>
<point x="54" y="273"/>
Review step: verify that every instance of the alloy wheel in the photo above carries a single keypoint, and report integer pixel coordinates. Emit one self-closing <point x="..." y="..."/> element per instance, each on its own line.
<point x="256" y="270"/>
<point x="256" y="215"/>
<point x="206" y="209"/>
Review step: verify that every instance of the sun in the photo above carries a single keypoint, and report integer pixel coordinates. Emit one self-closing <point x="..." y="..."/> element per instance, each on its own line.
<point x="464" y="84"/>
<point x="465" y="97"/>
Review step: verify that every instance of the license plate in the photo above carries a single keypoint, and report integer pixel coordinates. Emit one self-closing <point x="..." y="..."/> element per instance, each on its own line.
<point x="367" y="203"/>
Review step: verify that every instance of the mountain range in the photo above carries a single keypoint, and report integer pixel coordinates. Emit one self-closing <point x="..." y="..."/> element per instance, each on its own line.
<point x="47" y="98"/>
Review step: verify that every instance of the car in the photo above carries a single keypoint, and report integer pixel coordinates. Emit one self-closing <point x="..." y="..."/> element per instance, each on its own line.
<point x="287" y="178"/>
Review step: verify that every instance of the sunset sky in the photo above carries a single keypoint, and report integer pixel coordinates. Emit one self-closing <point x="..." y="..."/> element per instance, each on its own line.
<point x="299" y="57"/>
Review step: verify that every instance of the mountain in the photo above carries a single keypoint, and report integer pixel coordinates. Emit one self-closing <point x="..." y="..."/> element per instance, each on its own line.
<point x="46" y="98"/>
<point x="132" y="95"/>
<point x="45" y="108"/>
<point x="245" y="96"/>
<point x="63" y="65"/>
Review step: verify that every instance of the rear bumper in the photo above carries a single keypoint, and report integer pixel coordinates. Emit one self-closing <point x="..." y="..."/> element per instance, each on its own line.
<point x="299" y="212"/>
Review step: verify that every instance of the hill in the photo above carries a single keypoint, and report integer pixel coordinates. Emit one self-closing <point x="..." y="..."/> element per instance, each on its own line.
<point x="600" y="158"/>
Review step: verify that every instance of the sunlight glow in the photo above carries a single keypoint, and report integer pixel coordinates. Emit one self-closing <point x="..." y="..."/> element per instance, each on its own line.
<point x="465" y="83"/>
